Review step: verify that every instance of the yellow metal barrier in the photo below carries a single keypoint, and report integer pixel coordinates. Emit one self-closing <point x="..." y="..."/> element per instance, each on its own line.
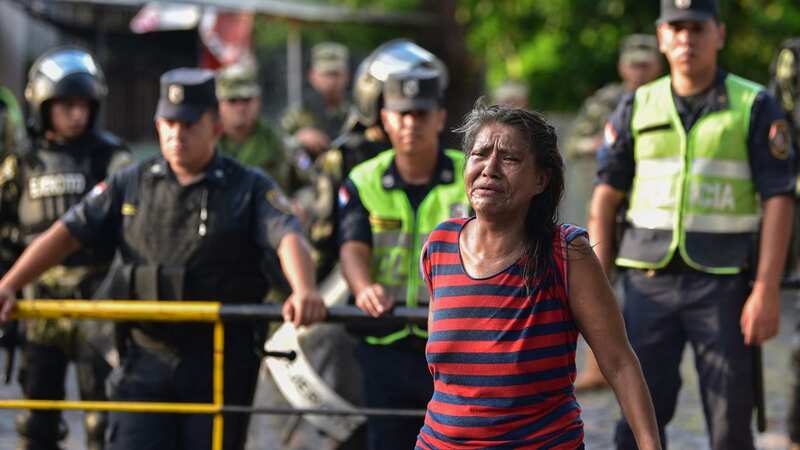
<point x="135" y="310"/>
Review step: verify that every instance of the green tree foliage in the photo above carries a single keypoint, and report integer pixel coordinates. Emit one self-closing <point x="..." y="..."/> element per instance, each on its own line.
<point x="566" y="49"/>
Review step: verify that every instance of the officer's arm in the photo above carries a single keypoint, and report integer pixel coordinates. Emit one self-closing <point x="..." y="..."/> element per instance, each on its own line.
<point x="354" y="258"/>
<point x="774" y="241"/>
<point x="606" y="201"/>
<point x="590" y="298"/>
<point x="371" y="297"/>
<point x="355" y="255"/>
<point x="305" y="305"/>
<point x="761" y="314"/>
<point x="772" y="166"/>
<point x="49" y="249"/>
<point x="615" y="170"/>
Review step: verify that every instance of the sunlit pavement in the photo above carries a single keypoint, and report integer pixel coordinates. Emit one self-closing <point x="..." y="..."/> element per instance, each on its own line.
<point x="687" y="430"/>
<point x="600" y="410"/>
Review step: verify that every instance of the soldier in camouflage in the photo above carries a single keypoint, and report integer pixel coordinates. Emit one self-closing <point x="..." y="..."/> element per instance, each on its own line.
<point x="247" y="136"/>
<point x="39" y="183"/>
<point x="639" y="62"/>
<point x="324" y="110"/>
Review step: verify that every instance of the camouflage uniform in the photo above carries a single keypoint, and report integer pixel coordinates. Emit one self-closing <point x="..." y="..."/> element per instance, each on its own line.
<point x="587" y="130"/>
<point x="314" y="113"/>
<point x="264" y="146"/>
<point x="325" y="57"/>
<point x="582" y="142"/>
<point x="265" y="149"/>
<point x="12" y="132"/>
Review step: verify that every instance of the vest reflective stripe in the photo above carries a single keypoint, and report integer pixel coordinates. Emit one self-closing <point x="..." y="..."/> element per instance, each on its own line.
<point x="722" y="169"/>
<point x="660" y="167"/>
<point x="398" y="233"/>
<point x="698" y="182"/>
<point x="721" y="223"/>
<point x="652" y="220"/>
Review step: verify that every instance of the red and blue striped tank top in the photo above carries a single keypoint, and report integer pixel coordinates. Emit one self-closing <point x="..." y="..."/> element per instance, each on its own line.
<point x="502" y="356"/>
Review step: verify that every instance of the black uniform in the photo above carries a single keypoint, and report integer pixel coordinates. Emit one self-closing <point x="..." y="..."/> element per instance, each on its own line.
<point x="668" y="307"/>
<point x="36" y="187"/>
<point x="206" y="240"/>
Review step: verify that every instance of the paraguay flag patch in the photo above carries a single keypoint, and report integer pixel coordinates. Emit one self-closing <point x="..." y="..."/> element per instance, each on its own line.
<point x="344" y="197"/>
<point x="98" y="189"/>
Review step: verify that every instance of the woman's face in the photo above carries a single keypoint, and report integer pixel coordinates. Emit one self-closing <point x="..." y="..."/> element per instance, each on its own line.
<point x="501" y="176"/>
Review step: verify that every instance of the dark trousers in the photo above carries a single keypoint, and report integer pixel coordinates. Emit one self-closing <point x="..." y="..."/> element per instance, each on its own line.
<point x="663" y="312"/>
<point x="148" y="375"/>
<point x="42" y="375"/>
<point x="395" y="376"/>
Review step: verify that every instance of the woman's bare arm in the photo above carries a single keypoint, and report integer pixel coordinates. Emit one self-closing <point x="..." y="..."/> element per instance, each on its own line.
<point x="599" y="320"/>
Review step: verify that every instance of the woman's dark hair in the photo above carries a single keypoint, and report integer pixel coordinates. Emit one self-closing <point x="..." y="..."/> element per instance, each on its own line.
<point x="541" y="221"/>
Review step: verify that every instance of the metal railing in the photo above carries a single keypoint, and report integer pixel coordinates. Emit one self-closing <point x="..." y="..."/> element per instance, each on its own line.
<point x="214" y="313"/>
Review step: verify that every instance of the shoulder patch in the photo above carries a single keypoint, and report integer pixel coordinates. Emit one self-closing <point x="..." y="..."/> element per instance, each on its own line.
<point x="98" y="189"/>
<point x="779" y="140"/>
<point x="278" y="200"/>
<point x="344" y="197"/>
<point x="609" y="134"/>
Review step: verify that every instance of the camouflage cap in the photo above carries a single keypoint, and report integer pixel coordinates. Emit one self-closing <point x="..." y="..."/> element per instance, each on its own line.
<point x="639" y="48"/>
<point x="329" y="57"/>
<point x="237" y="81"/>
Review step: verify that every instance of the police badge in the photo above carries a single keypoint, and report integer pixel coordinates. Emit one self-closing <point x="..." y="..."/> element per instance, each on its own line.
<point x="683" y="4"/>
<point x="175" y="93"/>
<point x="411" y="88"/>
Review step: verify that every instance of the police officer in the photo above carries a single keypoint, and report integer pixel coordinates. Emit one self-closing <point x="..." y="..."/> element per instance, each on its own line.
<point x="247" y="136"/>
<point x="389" y="204"/>
<point x="189" y="224"/>
<point x="704" y="159"/>
<point x="68" y="156"/>
<point x="364" y="136"/>
<point x="320" y="117"/>
<point x="639" y="63"/>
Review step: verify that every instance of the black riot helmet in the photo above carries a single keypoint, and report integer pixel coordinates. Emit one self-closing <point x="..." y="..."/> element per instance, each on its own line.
<point x="59" y="73"/>
<point x="395" y="56"/>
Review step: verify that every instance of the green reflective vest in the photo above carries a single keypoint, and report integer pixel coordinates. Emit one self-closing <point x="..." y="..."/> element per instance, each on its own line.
<point x="692" y="192"/>
<point x="398" y="232"/>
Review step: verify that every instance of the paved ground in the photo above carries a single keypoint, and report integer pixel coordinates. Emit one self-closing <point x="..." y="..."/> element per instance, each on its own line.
<point x="687" y="432"/>
<point x="600" y="410"/>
